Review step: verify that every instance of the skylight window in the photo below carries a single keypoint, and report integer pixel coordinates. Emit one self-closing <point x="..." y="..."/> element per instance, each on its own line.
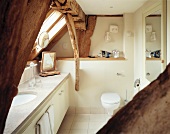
<point x="49" y="21"/>
<point x="53" y="24"/>
<point x="58" y="26"/>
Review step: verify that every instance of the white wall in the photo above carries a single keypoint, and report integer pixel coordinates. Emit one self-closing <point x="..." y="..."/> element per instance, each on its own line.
<point x="97" y="77"/>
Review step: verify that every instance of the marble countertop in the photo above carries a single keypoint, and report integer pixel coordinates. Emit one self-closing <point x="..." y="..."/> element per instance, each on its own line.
<point x="44" y="87"/>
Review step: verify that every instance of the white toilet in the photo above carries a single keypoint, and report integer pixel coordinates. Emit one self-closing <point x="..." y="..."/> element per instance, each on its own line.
<point x="110" y="101"/>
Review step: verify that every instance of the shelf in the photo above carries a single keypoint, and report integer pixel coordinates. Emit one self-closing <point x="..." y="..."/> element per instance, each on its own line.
<point x="152" y="58"/>
<point x="94" y="59"/>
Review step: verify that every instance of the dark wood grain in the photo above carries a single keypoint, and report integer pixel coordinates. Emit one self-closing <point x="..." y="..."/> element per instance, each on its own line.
<point x="20" y="22"/>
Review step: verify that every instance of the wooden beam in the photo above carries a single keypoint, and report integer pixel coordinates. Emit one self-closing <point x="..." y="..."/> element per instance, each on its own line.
<point x="19" y="27"/>
<point x="62" y="1"/>
<point x="84" y="37"/>
<point x="81" y="25"/>
<point x="74" y="42"/>
<point x="118" y="15"/>
<point x="69" y="6"/>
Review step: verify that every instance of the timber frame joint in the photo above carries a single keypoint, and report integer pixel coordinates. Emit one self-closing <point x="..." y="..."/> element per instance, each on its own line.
<point x="73" y="8"/>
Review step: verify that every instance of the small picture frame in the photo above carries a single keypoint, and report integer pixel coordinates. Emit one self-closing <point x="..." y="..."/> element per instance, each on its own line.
<point x="48" y="62"/>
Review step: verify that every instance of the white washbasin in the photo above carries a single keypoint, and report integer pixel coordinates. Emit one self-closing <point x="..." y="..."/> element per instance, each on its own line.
<point x="23" y="98"/>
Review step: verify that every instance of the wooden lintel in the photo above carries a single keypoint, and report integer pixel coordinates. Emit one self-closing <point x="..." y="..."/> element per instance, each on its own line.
<point x="81" y="25"/>
<point x="84" y="36"/>
<point x="74" y="42"/>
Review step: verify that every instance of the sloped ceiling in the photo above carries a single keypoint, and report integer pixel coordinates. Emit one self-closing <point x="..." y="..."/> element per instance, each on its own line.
<point x="110" y="7"/>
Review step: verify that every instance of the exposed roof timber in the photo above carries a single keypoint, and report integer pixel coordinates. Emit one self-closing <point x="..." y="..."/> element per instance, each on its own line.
<point x="74" y="42"/>
<point x="80" y="25"/>
<point x="71" y="6"/>
<point x="19" y="28"/>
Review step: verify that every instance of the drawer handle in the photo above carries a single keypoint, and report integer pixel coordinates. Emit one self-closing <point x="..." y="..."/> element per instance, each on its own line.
<point x="60" y="93"/>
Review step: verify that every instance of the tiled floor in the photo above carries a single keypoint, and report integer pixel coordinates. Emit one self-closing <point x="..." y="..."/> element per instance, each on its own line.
<point x="83" y="123"/>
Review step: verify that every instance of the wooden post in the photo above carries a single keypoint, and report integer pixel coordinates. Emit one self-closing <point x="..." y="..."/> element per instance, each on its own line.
<point x="84" y="40"/>
<point x="19" y="27"/>
<point x="73" y="38"/>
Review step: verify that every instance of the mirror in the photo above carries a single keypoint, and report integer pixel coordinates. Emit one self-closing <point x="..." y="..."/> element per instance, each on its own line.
<point x="48" y="61"/>
<point x="43" y="40"/>
<point x="48" y="64"/>
<point x="154" y="34"/>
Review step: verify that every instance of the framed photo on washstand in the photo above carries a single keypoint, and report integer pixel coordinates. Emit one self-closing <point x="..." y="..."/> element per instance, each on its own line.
<point x="48" y="64"/>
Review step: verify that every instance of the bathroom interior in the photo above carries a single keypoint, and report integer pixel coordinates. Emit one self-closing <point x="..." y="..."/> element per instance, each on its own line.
<point x="127" y="52"/>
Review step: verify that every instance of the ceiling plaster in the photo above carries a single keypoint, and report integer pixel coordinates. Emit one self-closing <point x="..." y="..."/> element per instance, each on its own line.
<point x="110" y="7"/>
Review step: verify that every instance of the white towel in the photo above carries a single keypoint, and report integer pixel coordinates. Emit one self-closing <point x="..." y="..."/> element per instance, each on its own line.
<point x="43" y="125"/>
<point x="50" y="112"/>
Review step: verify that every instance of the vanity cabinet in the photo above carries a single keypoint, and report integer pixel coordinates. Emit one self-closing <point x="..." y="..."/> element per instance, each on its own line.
<point x="61" y="104"/>
<point x="59" y="99"/>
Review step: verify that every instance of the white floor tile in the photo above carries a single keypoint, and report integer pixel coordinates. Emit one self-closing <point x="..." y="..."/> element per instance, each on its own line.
<point x="94" y="110"/>
<point x="98" y="117"/>
<point x="82" y="118"/>
<point x="83" y="123"/>
<point x="79" y="125"/>
<point x="78" y="131"/>
<point x="92" y="131"/>
<point x="108" y="117"/>
<point x="64" y="131"/>
<point x="82" y="110"/>
<point x="65" y="125"/>
<point x="69" y="117"/>
<point x="96" y="125"/>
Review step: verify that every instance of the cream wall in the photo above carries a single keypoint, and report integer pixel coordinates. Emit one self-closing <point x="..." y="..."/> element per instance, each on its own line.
<point x="139" y="64"/>
<point x="63" y="47"/>
<point x="97" y="77"/>
<point x="156" y="27"/>
<point x="102" y="26"/>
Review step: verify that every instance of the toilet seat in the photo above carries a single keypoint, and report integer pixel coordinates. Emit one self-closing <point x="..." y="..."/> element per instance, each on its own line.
<point x="110" y="98"/>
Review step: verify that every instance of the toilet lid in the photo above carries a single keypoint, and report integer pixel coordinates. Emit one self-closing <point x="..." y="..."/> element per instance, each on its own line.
<point x="110" y="98"/>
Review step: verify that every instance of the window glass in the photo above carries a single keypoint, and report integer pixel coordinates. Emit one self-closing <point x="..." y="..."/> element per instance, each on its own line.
<point x="57" y="28"/>
<point x="49" y="21"/>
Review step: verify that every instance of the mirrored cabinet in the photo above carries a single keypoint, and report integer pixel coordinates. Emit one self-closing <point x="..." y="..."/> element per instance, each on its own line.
<point x="154" y="40"/>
